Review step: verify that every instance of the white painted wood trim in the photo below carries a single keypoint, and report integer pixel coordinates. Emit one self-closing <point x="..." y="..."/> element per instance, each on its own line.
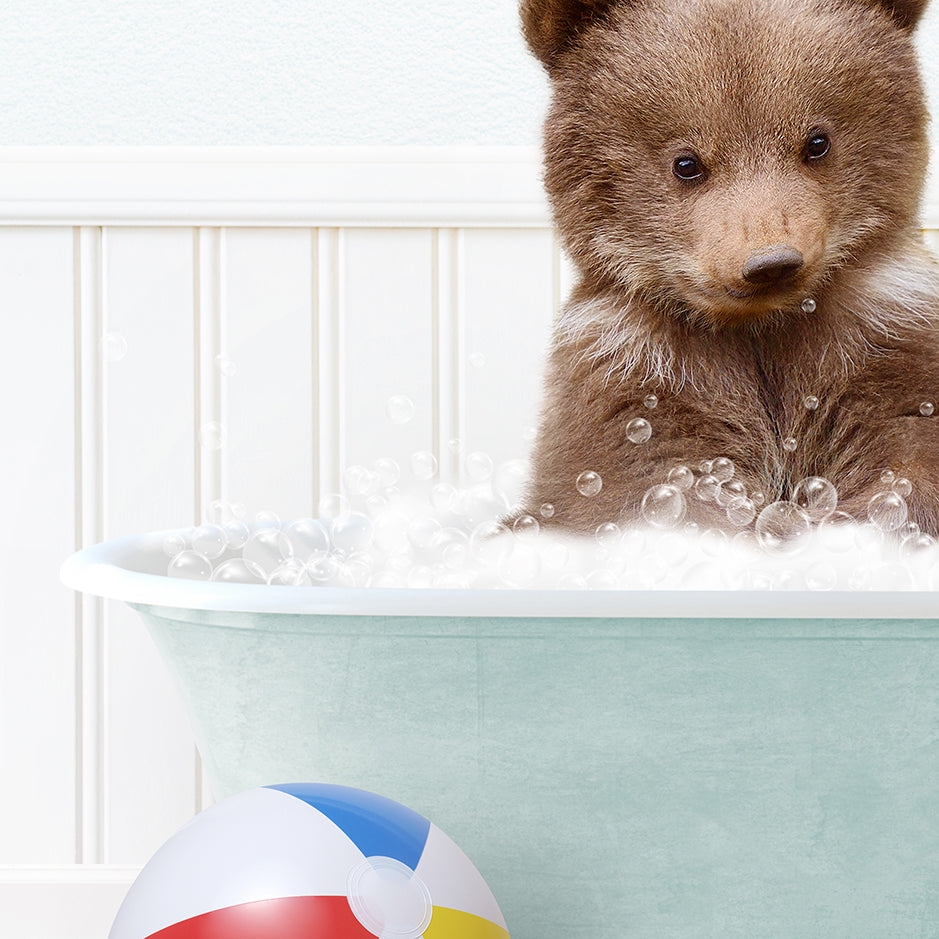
<point x="328" y="187"/>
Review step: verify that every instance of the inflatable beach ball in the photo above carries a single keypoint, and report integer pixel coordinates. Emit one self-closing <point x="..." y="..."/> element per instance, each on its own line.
<point x="309" y="861"/>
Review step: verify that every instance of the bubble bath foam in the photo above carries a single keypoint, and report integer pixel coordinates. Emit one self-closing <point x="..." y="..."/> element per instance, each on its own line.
<point x="616" y="763"/>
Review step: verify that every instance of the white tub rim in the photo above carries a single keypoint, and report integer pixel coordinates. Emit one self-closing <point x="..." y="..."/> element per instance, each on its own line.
<point x="106" y="570"/>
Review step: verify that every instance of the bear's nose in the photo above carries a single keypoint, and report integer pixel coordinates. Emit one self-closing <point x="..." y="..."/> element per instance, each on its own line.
<point x="772" y="265"/>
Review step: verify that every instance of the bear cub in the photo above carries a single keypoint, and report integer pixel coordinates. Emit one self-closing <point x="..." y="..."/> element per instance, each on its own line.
<point x="737" y="183"/>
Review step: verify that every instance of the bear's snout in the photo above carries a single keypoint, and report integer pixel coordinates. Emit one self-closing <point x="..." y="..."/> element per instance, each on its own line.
<point x="773" y="265"/>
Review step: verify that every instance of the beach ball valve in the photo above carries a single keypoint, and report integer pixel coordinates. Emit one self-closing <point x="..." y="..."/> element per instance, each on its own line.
<point x="309" y="861"/>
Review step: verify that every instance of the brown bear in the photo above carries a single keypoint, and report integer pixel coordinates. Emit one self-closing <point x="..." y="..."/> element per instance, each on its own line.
<point x="737" y="183"/>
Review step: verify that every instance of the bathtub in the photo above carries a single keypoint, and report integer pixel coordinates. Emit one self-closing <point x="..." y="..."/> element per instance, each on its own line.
<point x="616" y="764"/>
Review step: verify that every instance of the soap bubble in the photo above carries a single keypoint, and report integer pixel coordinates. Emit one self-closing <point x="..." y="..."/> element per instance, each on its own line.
<point x="740" y="511"/>
<point x="822" y="576"/>
<point x="816" y="496"/>
<point x="213" y="435"/>
<point x="174" y="544"/>
<point x="730" y="491"/>
<point x="452" y="547"/>
<point x="218" y="512"/>
<point x="236" y="534"/>
<point x="421" y="531"/>
<point x="713" y="542"/>
<point x="638" y="430"/>
<point x="210" y="541"/>
<point x="526" y="525"/>
<point x="790" y="444"/>
<point x="810" y="402"/>
<point x="478" y="466"/>
<point x="681" y="477"/>
<point x="353" y="532"/>
<point x="722" y="469"/>
<point x="291" y="573"/>
<point x="266" y="519"/>
<point x="423" y="465"/>
<point x="663" y="506"/>
<point x="190" y="565"/>
<point x="836" y="532"/>
<point x="267" y="548"/>
<point x="608" y="534"/>
<point x="887" y="477"/>
<point x="707" y="487"/>
<point x="926" y="408"/>
<point x="704" y="467"/>
<point x="114" y="346"/>
<point x="226" y="367"/>
<point x="490" y="542"/>
<point x="358" y="480"/>
<point x="589" y="483"/>
<point x="399" y="409"/>
<point x="902" y="487"/>
<point x="887" y="511"/>
<point x="917" y="545"/>
<point x="238" y="571"/>
<point x="650" y="401"/>
<point x="809" y="305"/>
<point x="783" y="529"/>
<point x="388" y="471"/>
<point x="758" y="498"/>
<point x="442" y="497"/>
<point x="334" y="505"/>
<point x="547" y="510"/>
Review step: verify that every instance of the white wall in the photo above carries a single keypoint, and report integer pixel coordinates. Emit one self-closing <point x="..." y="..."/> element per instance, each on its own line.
<point x="298" y="72"/>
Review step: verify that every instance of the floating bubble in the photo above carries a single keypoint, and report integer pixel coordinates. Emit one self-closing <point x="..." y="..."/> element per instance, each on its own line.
<point x="174" y="544"/>
<point x="236" y="534"/>
<point x="547" y="510"/>
<point x="836" y="531"/>
<point x="526" y="525"/>
<point x="190" y="565"/>
<point x="651" y="401"/>
<point x="730" y="491"/>
<point x="681" y="477"/>
<point x="663" y="506"/>
<point x="238" y="571"/>
<point x="421" y="531"/>
<point x="478" y="466"/>
<point x="352" y="532"/>
<point x="589" y="483"/>
<point x="210" y="541"/>
<point x="741" y="511"/>
<point x="290" y="574"/>
<point x="887" y="511"/>
<point x="609" y="534"/>
<point x="442" y="497"/>
<point x="816" y="496"/>
<point x="707" y="487"/>
<point x="810" y="402"/>
<point x="704" y="467"/>
<point x="399" y="409"/>
<point x="452" y="547"/>
<point x="926" y="408"/>
<point x="809" y="305"/>
<point x="722" y="469"/>
<point x="790" y="444"/>
<point x="758" y="497"/>
<point x="902" y="487"/>
<point x="490" y="542"/>
<point x="423" y="465"/>
<point x="225" y="365"/>
<point x="213" y="435"/>
<point x="334" y="505"/>
<point x="218" y="512"/>
<point x="887" y="477"/>
<point x="388" y="471"/>
<point x="783" y="529"/>
<point x="268" y="548"/>
<point x="638" y="430"/>
<point x="266" y="519"/>
<point x="360" y="481"/>
<point x="114" y="346"/>
<point x="713" y="542"/>
<point x="917" y="545"/>
<point x="823" y="576"/>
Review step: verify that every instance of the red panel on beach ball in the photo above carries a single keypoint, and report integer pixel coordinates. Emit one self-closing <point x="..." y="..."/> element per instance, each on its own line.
<point x="285" y="918"/>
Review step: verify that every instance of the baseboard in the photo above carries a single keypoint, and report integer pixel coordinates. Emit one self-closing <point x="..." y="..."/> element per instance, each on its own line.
<point x="71" y="902"/>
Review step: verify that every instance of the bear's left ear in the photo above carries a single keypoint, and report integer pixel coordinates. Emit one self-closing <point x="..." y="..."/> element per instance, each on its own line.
<point x="906" y="13"/>
<point x="551" y="27"/>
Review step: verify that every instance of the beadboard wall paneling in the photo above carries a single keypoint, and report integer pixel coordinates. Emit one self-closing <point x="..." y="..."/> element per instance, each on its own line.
<point x="188" y="326"/>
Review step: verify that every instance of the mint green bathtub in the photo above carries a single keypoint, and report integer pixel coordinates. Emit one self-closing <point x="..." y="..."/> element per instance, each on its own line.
<point x="616" y="764"/>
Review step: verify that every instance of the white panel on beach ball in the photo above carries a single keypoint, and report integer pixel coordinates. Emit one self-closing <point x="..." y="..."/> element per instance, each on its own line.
<point x="309" y="861"/>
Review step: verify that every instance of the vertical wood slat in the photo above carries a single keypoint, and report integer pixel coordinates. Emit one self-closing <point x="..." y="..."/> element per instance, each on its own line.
<point x="449" y="341"/>
<point x="91" y="705"/>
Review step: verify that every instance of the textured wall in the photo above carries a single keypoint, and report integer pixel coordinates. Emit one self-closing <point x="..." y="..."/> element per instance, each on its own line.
<point x="262" y="72"/>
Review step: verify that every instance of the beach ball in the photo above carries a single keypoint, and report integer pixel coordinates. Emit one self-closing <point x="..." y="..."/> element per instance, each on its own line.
<point x="309" y="861"/>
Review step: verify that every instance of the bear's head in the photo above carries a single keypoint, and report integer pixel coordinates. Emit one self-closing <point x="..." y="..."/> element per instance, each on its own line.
<point x="723" y="159"/>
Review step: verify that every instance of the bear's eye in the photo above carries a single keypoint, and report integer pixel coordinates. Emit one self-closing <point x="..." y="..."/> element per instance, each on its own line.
<point x="688" y="168"/>
<point x="816" y="146"/>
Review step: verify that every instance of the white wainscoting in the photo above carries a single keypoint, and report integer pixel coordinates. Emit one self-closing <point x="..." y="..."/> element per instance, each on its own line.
<point x="329" y="281"/>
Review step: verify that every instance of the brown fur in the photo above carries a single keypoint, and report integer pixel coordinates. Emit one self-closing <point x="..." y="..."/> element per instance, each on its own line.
<point x="662" y="305"/>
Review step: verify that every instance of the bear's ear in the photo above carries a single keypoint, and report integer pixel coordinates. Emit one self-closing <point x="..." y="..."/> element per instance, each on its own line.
<point x="906" y="13"/>
<point x="552" y="26"/>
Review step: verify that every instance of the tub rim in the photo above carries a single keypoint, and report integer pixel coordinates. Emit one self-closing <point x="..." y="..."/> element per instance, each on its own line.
<point x="104" y="570"/>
